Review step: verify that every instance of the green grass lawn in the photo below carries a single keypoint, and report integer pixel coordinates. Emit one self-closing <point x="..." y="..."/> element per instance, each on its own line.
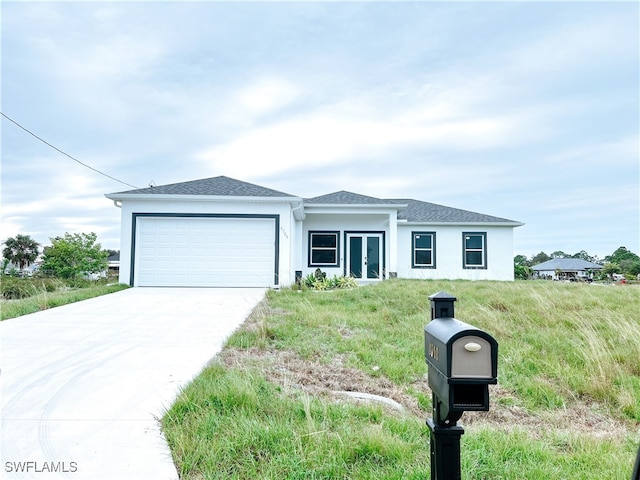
<point x="566" y="406"/>
<point x="41" y="299"/>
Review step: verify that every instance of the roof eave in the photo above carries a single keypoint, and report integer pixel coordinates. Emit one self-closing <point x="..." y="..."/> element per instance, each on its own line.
<point x="464" y="224"/>
<point x="388" y="206"/>
<point x="566" y="270"/>
<point x="195" y="198"/>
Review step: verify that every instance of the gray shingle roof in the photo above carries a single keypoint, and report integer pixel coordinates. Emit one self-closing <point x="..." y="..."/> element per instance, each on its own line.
<point x="218" y="186"/>
<point x="418" y="211"/>
<point x="345" y="198"/>
<point x="566" y="264"/>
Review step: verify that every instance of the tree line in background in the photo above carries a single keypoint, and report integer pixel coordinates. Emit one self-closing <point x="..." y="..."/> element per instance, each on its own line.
<point x="68" y="257"/>
<point x="623" y="261"/>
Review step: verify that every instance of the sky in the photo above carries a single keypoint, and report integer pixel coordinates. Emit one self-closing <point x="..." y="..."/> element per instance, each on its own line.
<point x="522" y="110"/>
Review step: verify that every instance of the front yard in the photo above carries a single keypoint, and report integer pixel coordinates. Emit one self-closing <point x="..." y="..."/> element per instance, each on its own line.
<point x="272" y="404"/>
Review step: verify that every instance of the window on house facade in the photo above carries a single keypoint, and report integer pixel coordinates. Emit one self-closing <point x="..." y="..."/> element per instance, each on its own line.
<point x="423" y="248"/>
<point x="474" y="245"/>
<point x="323" y="249"/>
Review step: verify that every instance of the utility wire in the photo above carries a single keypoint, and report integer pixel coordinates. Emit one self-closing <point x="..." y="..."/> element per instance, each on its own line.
<point x="64" y="153"/>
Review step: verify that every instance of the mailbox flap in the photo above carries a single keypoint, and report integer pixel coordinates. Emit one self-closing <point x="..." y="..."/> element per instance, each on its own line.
<point x="471" y="357"/>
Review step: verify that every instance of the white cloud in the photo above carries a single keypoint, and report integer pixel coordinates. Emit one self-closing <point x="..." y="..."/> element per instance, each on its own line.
<point x="13" y="226"/>
<point x="346" y="132"/>
<point x="586" y="42"/>
<point x="85" y="46"/>
<point x="266" y="95"/>
<point x="57" y="198"/>
<point x="78" y="224"/>
<point x="605" y="200"/>
<point x="610" y="155"/>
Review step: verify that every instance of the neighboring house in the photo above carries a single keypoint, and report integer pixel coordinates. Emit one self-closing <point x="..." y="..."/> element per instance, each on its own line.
<point x="28" y="271"/>
<point x="114" y="263"/>
<point x="225" y="232"/>
<point x="566" y="269"/>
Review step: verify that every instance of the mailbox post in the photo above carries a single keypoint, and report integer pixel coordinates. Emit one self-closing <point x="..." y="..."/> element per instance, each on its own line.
<point x="463" y="362"/>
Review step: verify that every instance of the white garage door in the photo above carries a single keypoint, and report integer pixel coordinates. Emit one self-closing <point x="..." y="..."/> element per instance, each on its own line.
<point x="205" y="252"/>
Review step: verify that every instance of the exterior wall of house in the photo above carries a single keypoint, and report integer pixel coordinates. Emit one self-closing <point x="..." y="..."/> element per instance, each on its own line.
<point x="343" y="222"/>
<point x="287" y="232"/>
<point x="293" y="254"/>
<point x="449" y="253"/>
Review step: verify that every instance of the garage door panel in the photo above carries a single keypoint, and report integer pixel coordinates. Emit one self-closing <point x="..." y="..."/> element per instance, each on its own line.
<point x="212" y="251"/>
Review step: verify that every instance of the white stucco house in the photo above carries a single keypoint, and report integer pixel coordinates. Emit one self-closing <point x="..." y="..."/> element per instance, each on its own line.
<point x="225" y="232"/>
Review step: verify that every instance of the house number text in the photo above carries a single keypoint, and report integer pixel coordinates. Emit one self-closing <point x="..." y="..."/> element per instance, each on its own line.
<point x="434" y="351"/>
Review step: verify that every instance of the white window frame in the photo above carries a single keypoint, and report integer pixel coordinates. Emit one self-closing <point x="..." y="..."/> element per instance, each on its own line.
<point x="335" y="249"/>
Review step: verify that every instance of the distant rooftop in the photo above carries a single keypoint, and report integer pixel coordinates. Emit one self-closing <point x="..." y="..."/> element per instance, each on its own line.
<point x="566" y="265"/>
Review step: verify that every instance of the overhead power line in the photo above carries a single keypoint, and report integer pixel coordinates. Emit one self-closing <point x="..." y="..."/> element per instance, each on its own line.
<point x="64" y="153"/>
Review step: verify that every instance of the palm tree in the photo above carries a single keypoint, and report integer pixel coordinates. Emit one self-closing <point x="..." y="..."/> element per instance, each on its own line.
<point x="21" y="250"/>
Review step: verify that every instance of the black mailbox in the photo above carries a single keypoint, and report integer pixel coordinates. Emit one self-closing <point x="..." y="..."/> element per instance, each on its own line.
<point x="463" y="362"/>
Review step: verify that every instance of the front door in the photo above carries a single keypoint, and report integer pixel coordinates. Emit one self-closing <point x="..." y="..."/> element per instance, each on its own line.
<point x="364" y="259"/>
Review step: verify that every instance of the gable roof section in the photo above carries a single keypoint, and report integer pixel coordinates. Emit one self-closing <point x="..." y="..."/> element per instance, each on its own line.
<point x="411" y="211"/>
<point x="425" y="212"/>
<point x="567" y="265"/>
<point x="216" y="186"/>
<point x="346" y="198"/>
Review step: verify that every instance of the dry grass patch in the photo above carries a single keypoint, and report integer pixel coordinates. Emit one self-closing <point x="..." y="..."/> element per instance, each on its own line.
<point x="290" y="371"/>
<point x="293" y="373"/>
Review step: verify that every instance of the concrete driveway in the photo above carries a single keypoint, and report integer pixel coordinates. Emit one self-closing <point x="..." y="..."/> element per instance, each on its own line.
<point x="84" y="384"/>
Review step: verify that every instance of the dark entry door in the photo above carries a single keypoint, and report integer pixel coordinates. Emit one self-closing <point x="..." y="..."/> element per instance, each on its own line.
<point x="363" y="256"/>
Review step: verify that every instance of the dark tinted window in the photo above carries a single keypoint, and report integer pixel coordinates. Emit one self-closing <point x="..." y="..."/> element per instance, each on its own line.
<point x="323" y="249"/>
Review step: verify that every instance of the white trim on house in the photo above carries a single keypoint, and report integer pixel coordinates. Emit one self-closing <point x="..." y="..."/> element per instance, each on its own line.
<point x="199" y="198"/>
